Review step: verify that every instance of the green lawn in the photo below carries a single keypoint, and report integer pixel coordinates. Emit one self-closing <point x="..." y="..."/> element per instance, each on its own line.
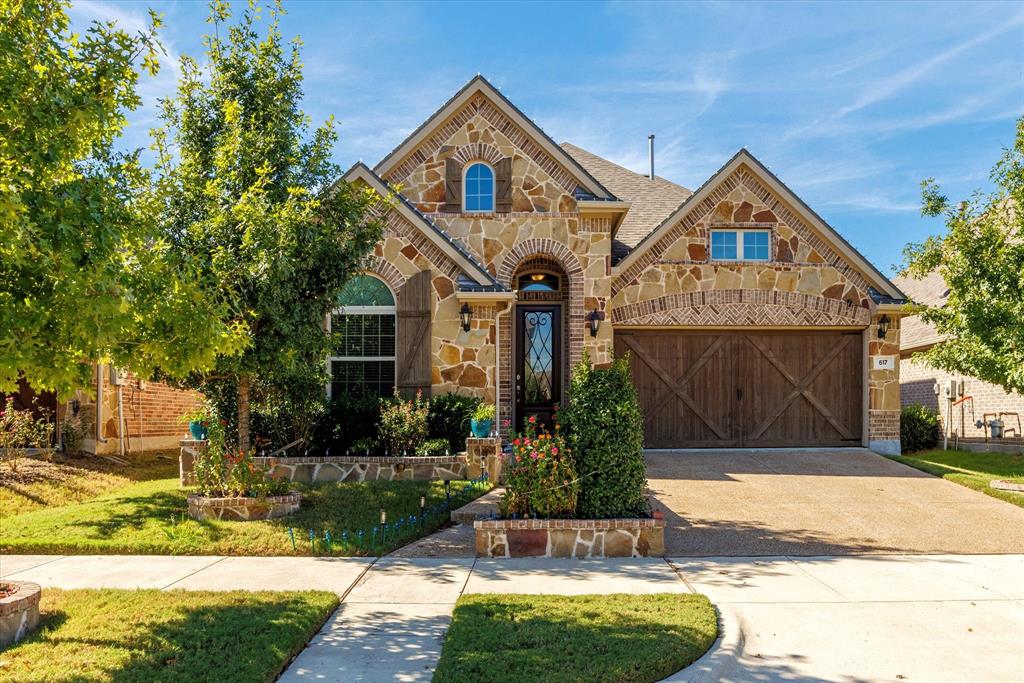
<point x="570" y="639"/>
<point x="150" y="635"/>
<point x="973" y="470"/>
<point x="36" y="483"/>
<point x="149" y="518"/>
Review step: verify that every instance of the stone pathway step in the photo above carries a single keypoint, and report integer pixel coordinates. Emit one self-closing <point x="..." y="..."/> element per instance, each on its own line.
<point x="481" y="508"/>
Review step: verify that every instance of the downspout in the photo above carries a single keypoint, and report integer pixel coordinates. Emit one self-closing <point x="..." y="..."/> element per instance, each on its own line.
<point x="497" y="359"/>
<point x="120" y="419"/>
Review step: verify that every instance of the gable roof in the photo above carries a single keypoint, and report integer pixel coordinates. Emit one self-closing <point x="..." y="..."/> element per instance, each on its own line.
<point x="480" y="85"/>
<point x="931" y="290"/>
<point x="743" y="157"/>
<point x="650" y="200"/>
<point x="439" y="237"/>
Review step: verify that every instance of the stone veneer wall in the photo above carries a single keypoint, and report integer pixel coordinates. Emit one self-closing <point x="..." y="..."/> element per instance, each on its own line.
<point x="365" y="468"/>
<point x="576" y="538"/>
<point x="242" y="509"/>
<point x="884" y="390"/>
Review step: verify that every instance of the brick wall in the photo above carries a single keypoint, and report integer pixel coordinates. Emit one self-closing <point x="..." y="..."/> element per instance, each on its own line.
<point x="916" y="386"/>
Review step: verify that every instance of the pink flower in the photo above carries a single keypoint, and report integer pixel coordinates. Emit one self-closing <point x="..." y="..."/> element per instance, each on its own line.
<point x="534" y="455"/>
<point x="533" y="419"/>
<point x="554" y="450"/>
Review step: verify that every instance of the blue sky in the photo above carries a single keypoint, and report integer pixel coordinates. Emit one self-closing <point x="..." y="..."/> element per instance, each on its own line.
<point x="851" y="105"/>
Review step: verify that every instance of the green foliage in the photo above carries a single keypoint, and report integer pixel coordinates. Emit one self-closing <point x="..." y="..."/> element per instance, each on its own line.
<point x="85" y="275"/>
<point x="434" y="448"/>
<point x="250" y="199"/>
<point x="919" y="428"/>
<point x="606" y="433"/>
<point x="22" y="429"/>
<point x="981" y="259"/>
<point x="449" y="418"/>
<point x="484" y="411"/>
<point x="403" y="425"/>
<point x="222" y="471"/>
<point x="540" y="479"/>
<point x="350" y="423"/>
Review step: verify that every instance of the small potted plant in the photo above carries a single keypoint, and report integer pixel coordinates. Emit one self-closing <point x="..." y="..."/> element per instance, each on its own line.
<point x="198" y="421"/>
<point x="482" y="420"/>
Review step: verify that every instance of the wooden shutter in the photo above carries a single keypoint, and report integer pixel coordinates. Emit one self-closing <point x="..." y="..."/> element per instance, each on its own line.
<point x="503" y="185"/>
<point x="452" y="186"/>
<point x="413" y="336"/>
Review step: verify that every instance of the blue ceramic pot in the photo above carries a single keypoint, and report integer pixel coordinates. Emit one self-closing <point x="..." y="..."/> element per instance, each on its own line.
<point x="198" y="430"/>
<point x="481" y="428"/>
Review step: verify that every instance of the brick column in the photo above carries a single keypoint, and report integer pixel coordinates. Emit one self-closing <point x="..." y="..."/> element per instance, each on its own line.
<point x="190" y="450"/>
<point x="884" y="388"/>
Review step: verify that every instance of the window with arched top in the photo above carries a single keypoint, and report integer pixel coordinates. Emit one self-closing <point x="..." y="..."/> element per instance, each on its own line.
<point x="363" y="361"/>
<point x="478" y="188"/>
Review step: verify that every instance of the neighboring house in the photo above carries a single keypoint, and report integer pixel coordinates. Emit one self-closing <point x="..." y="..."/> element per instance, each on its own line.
<point x="749" y="321"/>
<point x="119" y="413"/>
<point x="918" y="381"/>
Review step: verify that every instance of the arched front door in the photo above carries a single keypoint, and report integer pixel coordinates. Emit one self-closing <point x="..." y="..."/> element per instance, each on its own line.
<point x="539" y="364"/>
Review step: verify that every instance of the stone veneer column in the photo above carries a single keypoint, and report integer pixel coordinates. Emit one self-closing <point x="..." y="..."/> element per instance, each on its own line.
<point x="190" y="450"/>
<point x="884" y="389"/>
<point x="484" y="454"/>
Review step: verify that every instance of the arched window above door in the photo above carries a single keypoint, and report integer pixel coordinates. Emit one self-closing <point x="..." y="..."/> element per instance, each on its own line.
<point x="539" y="282"/>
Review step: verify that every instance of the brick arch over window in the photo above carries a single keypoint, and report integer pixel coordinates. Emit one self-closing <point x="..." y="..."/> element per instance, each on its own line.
<point x="477" y="151"/>
<point x="376" y="265"/>
<point x="535" y="252"/>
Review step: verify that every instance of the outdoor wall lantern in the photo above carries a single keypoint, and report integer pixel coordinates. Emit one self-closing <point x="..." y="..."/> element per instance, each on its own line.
<point x="594" y="320"/>
<point x="466" y="316"/>
<point x="883" y="326"/>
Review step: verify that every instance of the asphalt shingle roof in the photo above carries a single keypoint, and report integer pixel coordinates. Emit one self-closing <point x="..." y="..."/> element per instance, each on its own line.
<point x="651" y="201"/>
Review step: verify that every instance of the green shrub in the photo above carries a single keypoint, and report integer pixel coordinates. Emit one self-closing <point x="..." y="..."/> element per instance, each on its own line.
<point x="919" y="428"/>
<point x="540" y="478"/>
<point x="605" y="430"/>
<point x="403" y="425"/>
<point x="434" y="448"/>
<point x="348" y="420"/>
<point x="448" y="419"/>
<point x="221" y="471"/>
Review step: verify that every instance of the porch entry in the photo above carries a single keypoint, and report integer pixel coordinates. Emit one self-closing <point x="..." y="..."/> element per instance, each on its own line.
<point x="539" y="362"/>
<point x="747" y="389"/>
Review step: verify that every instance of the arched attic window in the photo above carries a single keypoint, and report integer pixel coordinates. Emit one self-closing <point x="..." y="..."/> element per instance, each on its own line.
<point x="478" y="188"/>
<point x="363" y="362"/>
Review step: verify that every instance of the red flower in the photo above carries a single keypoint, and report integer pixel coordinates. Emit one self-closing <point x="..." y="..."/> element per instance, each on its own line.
<point x="515" y="442"/>
<point x="533" y="419"/>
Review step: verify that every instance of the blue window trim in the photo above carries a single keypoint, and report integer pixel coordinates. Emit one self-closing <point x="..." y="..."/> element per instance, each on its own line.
<point x="478" y="191"/>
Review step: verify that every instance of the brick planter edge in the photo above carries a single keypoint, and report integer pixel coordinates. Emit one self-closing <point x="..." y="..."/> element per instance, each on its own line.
<point x="19" y="612"/>
<point x="243" y="509"/>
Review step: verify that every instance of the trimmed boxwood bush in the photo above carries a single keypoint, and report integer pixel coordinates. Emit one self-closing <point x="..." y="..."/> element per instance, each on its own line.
<point x="605" y="430"/>
<point x="919" y="428"/>
<point x="449" y="419"/>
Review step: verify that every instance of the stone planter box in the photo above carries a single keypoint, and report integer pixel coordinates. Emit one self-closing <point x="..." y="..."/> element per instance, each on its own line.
<point x="190" y="450"/>
<point x="365" y="468"/>
<point x="576" y="538"/>
<point x="243" y="509"/>
<point x="19" y="612"/>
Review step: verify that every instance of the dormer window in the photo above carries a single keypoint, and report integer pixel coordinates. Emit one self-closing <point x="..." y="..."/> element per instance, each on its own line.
<point x="479" y="188"/>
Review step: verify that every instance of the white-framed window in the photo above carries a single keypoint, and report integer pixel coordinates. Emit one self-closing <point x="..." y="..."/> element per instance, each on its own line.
<point x="478" y="188"/>
<point x="740" y="245"/>
<point x="363" y="362"/>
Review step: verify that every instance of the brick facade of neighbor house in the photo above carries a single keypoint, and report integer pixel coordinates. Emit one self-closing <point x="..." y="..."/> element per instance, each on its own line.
<point x="918" y="379"/>
<point x="633" y="256"/>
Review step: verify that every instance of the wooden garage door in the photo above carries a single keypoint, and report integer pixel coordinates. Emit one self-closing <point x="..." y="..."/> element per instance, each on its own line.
<point x="733" y="389"/>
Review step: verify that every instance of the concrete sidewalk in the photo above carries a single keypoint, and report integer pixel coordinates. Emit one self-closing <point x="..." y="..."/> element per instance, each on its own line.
<point x="850" y="618"/>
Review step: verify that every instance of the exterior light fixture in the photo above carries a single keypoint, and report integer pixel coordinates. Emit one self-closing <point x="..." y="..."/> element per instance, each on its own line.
<point x="594" y="322"/>
<point x="883" y="326"/>
<point x="466" y="316"/>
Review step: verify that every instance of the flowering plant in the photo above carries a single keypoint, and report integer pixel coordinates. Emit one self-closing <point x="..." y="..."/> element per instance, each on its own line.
<point x="403" y="424"/>
<point x="222" y="471"/>
<point x="540" y="475"/>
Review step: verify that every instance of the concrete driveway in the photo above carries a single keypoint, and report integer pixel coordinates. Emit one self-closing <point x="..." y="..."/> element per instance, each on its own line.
<point x="802" y="502"/>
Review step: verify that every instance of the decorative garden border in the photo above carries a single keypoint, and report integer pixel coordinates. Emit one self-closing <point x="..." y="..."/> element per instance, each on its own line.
<point x="19" y="612"/>
<point x="576" y="538"/>
<point x="243" y="509"/>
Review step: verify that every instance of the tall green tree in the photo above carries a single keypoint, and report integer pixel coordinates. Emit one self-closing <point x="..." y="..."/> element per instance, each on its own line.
<point x="981" y="258"/>
<point x="84" y="275"/>
<point x="250" y="198"/>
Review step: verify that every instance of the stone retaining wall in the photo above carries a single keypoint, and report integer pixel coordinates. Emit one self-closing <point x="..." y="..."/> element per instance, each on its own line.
<point x="576" y="538"/>
<point x="19" y="613"/>
<point x="365" y="468"/>
<point x="243" y="509"/>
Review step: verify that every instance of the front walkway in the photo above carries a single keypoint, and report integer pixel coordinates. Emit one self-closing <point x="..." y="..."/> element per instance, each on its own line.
<point x="892" y="617"/>
<point x="820" y="502"/>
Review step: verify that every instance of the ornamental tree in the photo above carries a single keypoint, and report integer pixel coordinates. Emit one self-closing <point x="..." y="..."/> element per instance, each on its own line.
<point x="250" y="202"/>
<point x="85" y="276"/>
<point x="981" y="259"/>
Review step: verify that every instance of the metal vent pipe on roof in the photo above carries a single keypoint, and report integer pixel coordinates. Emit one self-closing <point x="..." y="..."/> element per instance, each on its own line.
<point x="650" y="152"/>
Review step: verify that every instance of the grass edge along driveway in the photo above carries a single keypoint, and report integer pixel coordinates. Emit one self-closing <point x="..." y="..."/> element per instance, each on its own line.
<point x="151" y="635"/>
<point x="973" y="470"/>
<point x="616" y="638"/>
<point x="149" y="518"/>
